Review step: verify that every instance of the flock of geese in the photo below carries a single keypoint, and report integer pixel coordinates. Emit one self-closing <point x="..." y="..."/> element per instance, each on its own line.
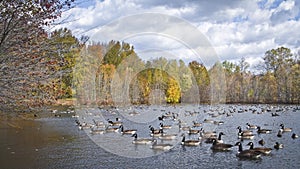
<point x="196" y="129"/>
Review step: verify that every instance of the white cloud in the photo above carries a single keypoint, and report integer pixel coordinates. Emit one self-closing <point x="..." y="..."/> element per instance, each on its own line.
<point x="234" y="28"/>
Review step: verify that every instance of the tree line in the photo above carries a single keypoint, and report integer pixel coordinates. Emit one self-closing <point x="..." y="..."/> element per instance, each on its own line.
<point x="37" y="67"/>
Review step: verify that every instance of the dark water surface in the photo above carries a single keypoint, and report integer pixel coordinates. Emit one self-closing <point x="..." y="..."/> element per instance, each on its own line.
<point x="56" y="142"/>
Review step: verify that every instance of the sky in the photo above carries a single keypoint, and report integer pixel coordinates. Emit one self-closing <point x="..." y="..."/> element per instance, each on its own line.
<point x="206" y="30"/>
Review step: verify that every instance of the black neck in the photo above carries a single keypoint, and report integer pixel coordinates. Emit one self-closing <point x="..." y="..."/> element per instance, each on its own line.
<point x="219" y="138"/>
<point x="183" y="139"/>
<point x="240" y="147"/>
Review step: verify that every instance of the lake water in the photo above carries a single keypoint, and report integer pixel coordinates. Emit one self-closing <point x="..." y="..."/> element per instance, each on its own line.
<point x="56" y="142"/>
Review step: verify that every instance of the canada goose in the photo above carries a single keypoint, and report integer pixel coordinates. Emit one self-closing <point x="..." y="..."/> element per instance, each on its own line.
<point x="244" y="131"/>
<point x="152" y="130"/>
<point x="116" y="123"/>
<point x="218" y="122"/>
<point x="263" y="150"/>
<point x="167" y="136"/>
<point x="285" y="129"/>
<point x="160" y="146"/>
<point x="97" y="131"/>
<point x="191" y="131"/>
<point x="245" y="136"/>
<point x="180" y="122"/>
<point x="220" y="146"/>
<point x="99" y="123"/>
<point x="190" y="142"/>
<point x="164" y="136"/>
<point x="131" y="132"/>
<point x="165" y="126"/>
<point x="134" y="113"/>
<point x="155" y="132"/>
<point x="263" y="131"/>
<point x="111" y="129"/>
<point x="213" y="138"/>
<point x="251" y="154"/>
<point x="279" y="134"/>
<point x="207" y="134"/>
<point x="251" y="126"/>
<point x="84" y="125"/>
<point x="261" y="142"/>
<point x="208" y="121"/>
<point x="278" y="146"/>
<point x="141" y="140"/>
<point x="184" y="128"/>
<point x="162" y="118"/>
<point x="294" y="136"/>
<point x="196" y="124"/>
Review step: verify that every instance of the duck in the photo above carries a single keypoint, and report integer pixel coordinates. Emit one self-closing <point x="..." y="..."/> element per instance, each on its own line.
<point x="141" y="140"/>
<point x="247" y="154"/>
<point x="190" y="142"/>
<point x="261" y="142"/>
<point x="160" y="146"/>
<point x="131" y="132"/>
<point x="220" y="146"/>
<point x="294" y="136"/>
<point x="284" y="129"/>
<point x="263" y="131"/>
<point x="218" y="140"/>
<point x="278" y="145"/>
<point x="263" y="150"/>
<point x="251" y="126"/>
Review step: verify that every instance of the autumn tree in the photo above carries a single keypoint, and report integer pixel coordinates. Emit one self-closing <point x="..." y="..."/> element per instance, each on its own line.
<point x="25" y="62"/>
<point x="151" y="80"/>
<point x="202" y="80"/>
<point x="66" y="48"/>
<point x="217" y="83"/>
<point x="279" y="61"/>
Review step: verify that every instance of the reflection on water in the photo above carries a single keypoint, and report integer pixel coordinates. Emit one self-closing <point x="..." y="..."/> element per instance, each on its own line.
<point x="56" y="142"/>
